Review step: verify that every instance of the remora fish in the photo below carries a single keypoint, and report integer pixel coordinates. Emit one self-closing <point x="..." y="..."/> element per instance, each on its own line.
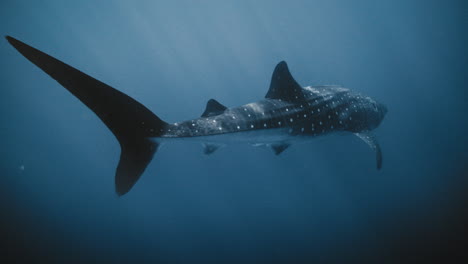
<point x="289" y="113"/>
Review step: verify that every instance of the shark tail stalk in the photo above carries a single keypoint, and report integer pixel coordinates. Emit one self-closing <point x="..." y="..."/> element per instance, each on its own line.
<point x="131" y="123"/>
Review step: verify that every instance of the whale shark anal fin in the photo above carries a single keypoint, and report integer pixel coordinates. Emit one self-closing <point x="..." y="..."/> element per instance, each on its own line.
<point x="210" y="148"/>
<point x="371" y="140"/>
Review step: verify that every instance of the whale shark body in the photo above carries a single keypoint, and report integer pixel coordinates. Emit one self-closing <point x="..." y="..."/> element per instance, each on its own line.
<point x="289" y="113"/>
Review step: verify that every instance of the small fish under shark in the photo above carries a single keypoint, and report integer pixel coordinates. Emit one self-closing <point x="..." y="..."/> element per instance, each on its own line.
<point x="288" y="114"/>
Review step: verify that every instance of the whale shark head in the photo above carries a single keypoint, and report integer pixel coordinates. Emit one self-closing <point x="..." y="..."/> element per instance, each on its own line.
<point x="375" y="114"/>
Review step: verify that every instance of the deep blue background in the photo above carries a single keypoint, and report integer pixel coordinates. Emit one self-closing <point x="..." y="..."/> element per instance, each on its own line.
<point x="319" y="201"/>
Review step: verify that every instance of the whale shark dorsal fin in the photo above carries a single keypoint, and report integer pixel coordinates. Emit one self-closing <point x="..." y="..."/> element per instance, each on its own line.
<point x="373" y="144"/>
<point x="283" y="86"/>
<point x="213" y="108"/>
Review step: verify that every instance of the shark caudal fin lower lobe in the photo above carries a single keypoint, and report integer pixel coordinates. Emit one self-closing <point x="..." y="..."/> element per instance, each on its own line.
<point x="131" y="122"/>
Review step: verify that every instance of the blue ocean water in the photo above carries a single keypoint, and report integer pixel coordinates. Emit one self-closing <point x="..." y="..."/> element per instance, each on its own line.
<point x="319" y="202"/>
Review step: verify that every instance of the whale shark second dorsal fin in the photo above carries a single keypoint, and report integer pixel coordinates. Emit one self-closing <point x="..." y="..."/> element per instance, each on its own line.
<point x="283" y="86"/>
<point x="213" y="108"/>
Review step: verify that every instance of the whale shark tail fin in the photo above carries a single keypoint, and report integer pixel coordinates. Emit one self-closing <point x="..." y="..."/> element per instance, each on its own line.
<point x="132" y="123"/>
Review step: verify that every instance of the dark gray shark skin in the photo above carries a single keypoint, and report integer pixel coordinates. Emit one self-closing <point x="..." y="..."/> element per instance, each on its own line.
<point x="324" y="109"/>
<point x="289" y="113"/>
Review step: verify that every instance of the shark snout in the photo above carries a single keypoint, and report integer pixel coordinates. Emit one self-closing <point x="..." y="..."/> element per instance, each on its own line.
<point x="383" y="109"/>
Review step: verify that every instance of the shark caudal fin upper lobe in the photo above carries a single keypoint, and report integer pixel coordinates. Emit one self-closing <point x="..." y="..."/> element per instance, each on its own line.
<point x="131" y="122"/>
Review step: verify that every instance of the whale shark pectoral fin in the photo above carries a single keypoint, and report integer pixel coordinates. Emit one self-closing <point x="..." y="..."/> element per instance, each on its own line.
<point x="210" y="148"/>
<point x="278" y="148"/>
<point x="371" y="140"/>
<point x="283" y="86"/>
<point x="213" y="108"/>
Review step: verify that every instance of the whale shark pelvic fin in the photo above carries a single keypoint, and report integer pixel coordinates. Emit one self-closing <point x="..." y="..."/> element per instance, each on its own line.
<point x="279" y="147"/>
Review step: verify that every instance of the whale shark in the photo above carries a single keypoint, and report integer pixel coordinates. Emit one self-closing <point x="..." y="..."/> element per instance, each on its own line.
<point x="289" y="113"/>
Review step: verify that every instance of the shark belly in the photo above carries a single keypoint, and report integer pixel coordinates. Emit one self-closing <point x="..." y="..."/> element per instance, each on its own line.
<point x="257" y="136"/>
